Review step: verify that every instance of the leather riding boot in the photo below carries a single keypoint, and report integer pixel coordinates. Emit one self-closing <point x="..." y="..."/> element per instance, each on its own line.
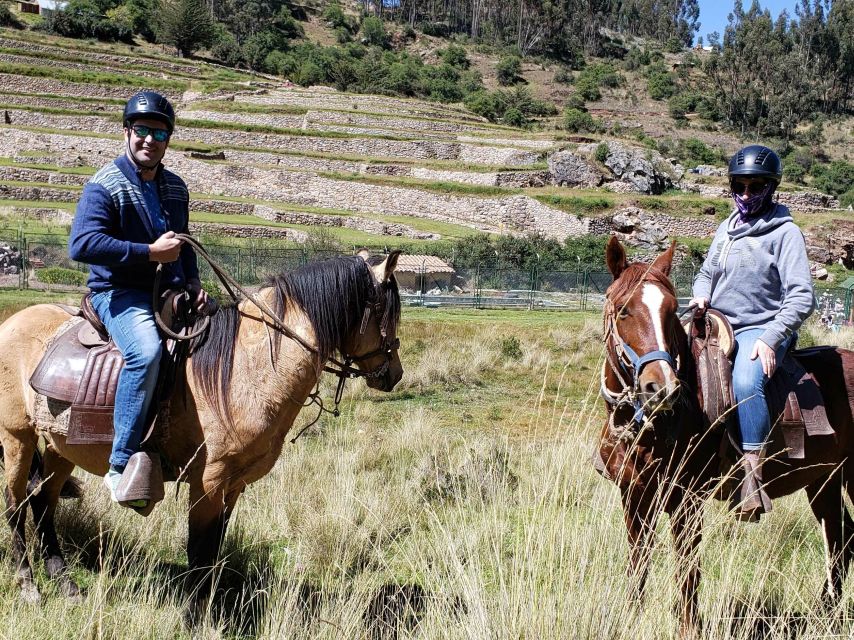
<point x="750" y="501"/>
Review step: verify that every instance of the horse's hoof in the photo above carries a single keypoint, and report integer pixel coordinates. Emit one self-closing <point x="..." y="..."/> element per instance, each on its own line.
<point x="30" y="594"/>
<point x="71" y="591"/>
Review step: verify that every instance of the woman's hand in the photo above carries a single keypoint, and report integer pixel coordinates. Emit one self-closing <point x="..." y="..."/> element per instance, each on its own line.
<point x="766" y="356"/>
<point x="699" y="303"/>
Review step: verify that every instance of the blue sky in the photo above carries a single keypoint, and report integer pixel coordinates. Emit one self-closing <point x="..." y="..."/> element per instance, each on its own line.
<point x="713" y="13"/>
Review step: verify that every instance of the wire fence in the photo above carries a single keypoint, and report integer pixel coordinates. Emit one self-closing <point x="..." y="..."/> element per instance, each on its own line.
<point x="40" y="261"/>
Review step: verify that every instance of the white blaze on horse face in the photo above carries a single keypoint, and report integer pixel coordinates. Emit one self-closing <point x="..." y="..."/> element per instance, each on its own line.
<point x="652" y="297"/>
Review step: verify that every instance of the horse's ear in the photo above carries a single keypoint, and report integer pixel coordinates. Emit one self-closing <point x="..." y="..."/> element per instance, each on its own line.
<point x="390" y="264"/>
<point x="665" y="261"/>
<point x="615" y="257"/>
<point x="364" y="254"/>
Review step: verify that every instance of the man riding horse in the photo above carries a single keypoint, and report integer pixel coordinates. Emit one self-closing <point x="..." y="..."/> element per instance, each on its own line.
<point x="124" y="227"/>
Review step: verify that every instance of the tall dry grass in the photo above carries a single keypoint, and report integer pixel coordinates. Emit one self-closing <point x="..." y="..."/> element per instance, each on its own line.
<point x="397" y="521"/>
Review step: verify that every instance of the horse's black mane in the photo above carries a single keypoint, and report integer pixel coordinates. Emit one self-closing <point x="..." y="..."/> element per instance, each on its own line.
<point x="332" y="293"/>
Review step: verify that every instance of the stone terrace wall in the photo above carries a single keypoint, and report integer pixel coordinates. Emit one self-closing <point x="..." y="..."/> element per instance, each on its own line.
<point x="253" y="231"/>
<point x="690" y="227"/>
<point x="370" y="147"/>
<point x="391" y="122"/>
<point x="58" y="103"/>
<point x="125" y="62"/>
<point x="320" y="98"/>
<point x="77" y="66"/>
<point x="18" y="174"/>
<point x="27" y="84"/>
<point x="38" y="194"/>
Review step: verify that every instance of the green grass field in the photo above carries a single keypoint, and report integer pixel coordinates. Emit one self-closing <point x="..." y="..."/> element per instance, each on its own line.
<point x="463" y="504"/>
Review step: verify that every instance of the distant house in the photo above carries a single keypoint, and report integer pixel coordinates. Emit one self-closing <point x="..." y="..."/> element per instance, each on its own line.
<point x="422" y="273"/>
<point x="29" y="7"/>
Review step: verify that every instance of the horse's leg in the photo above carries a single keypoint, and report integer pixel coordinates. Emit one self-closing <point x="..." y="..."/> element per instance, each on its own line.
<point x="686" y="527"/>
<point x="56" y="470"/>
<point x="826" y="502"/>
<point x="17" y="455"/>
<point x="640" y="510"/>
<point x="211" y="504"/>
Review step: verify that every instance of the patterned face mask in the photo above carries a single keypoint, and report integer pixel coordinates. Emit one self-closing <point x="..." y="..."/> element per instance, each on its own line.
<point x="754" y="205"/>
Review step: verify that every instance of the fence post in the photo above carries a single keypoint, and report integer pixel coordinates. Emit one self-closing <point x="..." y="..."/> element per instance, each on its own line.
<point x="585" y="283"/>
<point x="239" y="256"/>
<point x="533" y="286"/>
<point x="477" y="291"/>
<point x="25" y="263"/>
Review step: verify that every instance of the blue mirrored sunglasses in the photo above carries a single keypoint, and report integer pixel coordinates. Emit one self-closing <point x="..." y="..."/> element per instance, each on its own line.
<point x="141" y="131"/>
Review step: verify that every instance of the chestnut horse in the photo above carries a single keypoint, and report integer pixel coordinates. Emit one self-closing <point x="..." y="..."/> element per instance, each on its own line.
<point x="245" y="384"/>
<point x="655" y="448"/>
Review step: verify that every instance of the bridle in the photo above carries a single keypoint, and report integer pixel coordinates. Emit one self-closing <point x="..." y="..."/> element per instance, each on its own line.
<point x="627" y="366"/>
<point x="344" y="369"/>
<point x="377" y="305"/>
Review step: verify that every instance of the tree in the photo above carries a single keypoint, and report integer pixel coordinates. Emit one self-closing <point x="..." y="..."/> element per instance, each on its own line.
<point x="508" y="69"/>
<point x="186" y="25"/>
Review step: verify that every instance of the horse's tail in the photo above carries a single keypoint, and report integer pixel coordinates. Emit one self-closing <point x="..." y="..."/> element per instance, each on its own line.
<point x="72" y="488"/>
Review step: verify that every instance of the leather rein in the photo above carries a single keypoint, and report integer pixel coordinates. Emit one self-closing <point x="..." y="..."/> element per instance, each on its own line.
<point x="344" y="370"/>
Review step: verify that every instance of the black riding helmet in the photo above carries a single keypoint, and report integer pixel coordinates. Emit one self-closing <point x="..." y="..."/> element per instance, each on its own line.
<point x="150" y="105"/>
<point x="756" y="161"/>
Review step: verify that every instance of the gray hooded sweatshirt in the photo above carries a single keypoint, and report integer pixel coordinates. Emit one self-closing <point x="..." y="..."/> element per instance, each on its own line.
<point x="757" y="274"/>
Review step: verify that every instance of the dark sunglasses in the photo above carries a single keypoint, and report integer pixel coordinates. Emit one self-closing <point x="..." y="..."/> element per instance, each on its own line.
<point x="141" y="131"/>
<point x="753" y="187"/>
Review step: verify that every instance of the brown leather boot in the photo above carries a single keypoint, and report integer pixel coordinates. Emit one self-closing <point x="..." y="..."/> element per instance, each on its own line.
<point x="750" y="501"/>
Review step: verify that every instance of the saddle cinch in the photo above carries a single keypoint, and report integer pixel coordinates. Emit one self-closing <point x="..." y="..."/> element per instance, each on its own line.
<point x="81" y="367"/>
<point x="793" y="395"/>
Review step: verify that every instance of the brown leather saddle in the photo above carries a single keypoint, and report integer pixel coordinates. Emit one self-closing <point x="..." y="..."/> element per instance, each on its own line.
<point x="81" y="367"/>
<point x="794" y="399"/>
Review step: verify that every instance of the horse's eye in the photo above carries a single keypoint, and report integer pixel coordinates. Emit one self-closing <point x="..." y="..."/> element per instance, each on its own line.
<point x="623" y="314"/>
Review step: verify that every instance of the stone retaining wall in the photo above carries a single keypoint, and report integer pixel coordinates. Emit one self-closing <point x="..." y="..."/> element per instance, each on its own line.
<point x="38" y="194"/>
<point x="325" y="98"/>
<point x="58" y="103"/>
<point x="370" y="147"/>
<point x="671" y="226"/>
<point x="125" y="62"/>
<point x="19" y="174"/>
<point x="28" y="84"/>
<point x="390" y="122"/>
<point x="249" y="231"/>
<point x="76" y="66"/>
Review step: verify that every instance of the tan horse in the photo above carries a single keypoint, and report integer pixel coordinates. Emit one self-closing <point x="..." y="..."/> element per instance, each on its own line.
<point x="245" y="385"/>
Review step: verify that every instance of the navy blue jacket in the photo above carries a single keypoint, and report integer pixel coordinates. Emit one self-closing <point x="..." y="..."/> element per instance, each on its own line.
<point x="112" y="229"/>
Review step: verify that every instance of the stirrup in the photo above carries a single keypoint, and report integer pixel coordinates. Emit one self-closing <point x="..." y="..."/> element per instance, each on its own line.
<point x="142" y="480"/>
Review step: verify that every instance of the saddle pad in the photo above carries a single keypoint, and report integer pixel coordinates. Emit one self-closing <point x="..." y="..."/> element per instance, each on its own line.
<point x="795" y="401"/>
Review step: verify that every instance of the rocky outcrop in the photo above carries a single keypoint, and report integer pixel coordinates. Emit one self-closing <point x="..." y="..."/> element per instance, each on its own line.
<point x="645" y="170"/>
<point x="832" y="243"/>
<point x="570" y="170"/>
<point x="649" y="230"/>
<point x="10" y="260"/>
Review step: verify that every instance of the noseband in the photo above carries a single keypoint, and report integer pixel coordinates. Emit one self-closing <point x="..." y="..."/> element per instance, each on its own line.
<point x="627" y="366"/>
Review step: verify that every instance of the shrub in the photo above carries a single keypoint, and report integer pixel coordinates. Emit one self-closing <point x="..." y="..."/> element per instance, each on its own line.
<point x="696" y="152"/>
<point x="334" y="15"/>
<point x="485" y="104"/>
<point x="636" y="58"/>
<point x="84" y="19"/>
<point x="226" y="50"/>
<point x="60" y="275"/>
<point x="673" y="45"/>
<point x="7" y="19"/>
<point x="602" y="152"/>
<point x="373" y="32"/>
<point x="708" y="109"/>
<point x="587" y="88"/>
<point x="563" y="75"/>
<point x="681" y="104"/>
<point x="575" y="101"/>
<point x="576" y="120"/>
<point x="660" y="85"/>
<point x="455" y="55"/>
<point x="514" y="117"/>
<point x="508" y="69"/>
<point x="847" y="198"/>
<point x="511" y="348"/>
<point x="837" y="178"/>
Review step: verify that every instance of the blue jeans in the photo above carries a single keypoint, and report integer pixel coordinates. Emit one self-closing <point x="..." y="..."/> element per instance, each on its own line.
<point x="129" y="318"/>
<point x="748" y="382"/>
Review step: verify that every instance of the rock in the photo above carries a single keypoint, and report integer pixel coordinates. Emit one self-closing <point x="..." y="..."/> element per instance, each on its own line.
<point x="568" y="169"/>
<point x="709" y="170"/>
<point x="645" y="170"/>
<point x="818" y="272"/>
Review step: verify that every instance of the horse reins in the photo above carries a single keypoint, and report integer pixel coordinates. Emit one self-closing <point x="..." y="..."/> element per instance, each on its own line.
<point x="344" y="371"/>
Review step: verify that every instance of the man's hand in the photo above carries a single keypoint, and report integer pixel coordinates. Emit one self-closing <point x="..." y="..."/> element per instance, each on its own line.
<point x="202" y="302"/>
<point x="165" y="249"/>
<point x="766" y="356"/>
